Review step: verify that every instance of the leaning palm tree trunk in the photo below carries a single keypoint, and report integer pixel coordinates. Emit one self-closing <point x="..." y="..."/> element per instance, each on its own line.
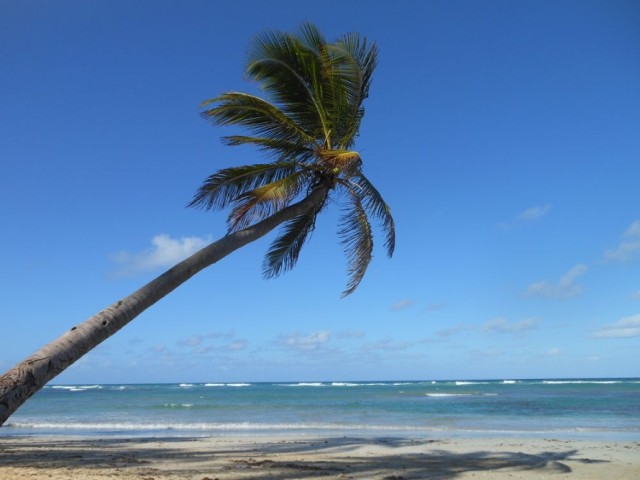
<point x="22" y="381"/>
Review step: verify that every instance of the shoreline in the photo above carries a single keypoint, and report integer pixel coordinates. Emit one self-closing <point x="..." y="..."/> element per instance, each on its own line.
<point x="327" y="457"/>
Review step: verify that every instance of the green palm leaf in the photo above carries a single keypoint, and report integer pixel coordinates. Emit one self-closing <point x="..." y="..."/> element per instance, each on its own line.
<point x="376" y="206"/>
<point x="290" y="71"/>
<point x="264" y="201"/>
<point x="258" y="115"/>
<point x="357" y="240"/>
<point x="284" y="251"/>
<point x="225" y="186"/>
<point x="281" y="150"/>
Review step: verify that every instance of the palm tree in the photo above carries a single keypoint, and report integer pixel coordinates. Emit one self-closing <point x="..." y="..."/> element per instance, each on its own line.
<point x="307" y="128"/>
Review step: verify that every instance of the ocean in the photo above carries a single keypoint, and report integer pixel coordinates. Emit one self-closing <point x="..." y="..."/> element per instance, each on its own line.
<point x="567" y="408"/>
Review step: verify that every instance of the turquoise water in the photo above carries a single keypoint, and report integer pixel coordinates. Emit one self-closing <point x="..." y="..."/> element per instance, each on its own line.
<point x="593" y="408"/>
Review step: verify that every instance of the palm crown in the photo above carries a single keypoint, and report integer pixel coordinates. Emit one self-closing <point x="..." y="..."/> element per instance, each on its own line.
<point x="307" y="126"/>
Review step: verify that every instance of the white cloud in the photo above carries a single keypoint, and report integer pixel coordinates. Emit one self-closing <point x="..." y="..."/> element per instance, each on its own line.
<point x="234" y="346"/>
<point x="633" y="230"/>
<point x="453" y="331"/>
<point x="402" y="305"/>
<point x="636" y="295"/>
<point x="237" y="345"/>
<point x="553" y="352"/>
<point x="534" y="213"/>
<point x="624" y="328"/>
<point x="304" y="343"/>
<point x="193" y="341"/>
<point x="529" y="215"/>
<point x="196" y="340"/>
<point x="502" y="325"/>
<point x="628" y="249"/>
<point x="165" y="252"/>
<point x="386" y="345"/>
<point x="565" y="288"/>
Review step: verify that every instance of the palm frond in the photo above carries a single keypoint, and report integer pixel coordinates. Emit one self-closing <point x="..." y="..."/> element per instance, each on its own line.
<point x="280" y="150"/>
<point x="357" y="241"/>
<point x="284" y="251"/>
<point x="375" y="204"/>
<point x="312" y="37"/>
<point x="355" y="61"/>
<point x="225" y="186"/>
<point x="290" y="72"/>
<point x="366" y="56"/>
<point x="264" y="201"/>
<point x="258" y="115"/>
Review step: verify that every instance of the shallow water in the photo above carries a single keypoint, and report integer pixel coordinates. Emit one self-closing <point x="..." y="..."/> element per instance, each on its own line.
<point x="592" y="408"/>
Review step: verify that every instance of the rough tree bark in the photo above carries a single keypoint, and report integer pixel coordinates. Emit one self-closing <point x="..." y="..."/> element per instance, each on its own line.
<point x="26" y="378"/>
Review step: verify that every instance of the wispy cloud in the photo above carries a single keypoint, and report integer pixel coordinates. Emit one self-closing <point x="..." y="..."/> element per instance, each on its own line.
<point x="164" y="252"/>
<point x="434" y="307"/>
<point x="626" y="327"/>
<point x="193" y="341"/>
<point x="214" y="342"/>
<point x="529" y="215"/>
<point x="402" y="305"/>
<point x="628" y="249"/>
<point x="553" y="352"/>
<point x="534" y="213"/>
<point x="565" y="288"/>
<point x="453" y="331"/>
<point x="448" y="334"/>
<point x="502" y="325"/>
<point x="635" y="295"/>
<point x="196" y="340"/>
<point x="386" y="345"/>
<point x="234" y="346"/>
<point x="633" y="230"/>
<point x="304" y="343"/>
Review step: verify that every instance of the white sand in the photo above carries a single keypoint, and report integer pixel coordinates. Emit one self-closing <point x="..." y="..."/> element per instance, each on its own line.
<point x="225" y="458"/>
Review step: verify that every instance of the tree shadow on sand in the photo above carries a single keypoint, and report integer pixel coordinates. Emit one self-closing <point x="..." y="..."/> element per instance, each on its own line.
<point x="322" y="458"/>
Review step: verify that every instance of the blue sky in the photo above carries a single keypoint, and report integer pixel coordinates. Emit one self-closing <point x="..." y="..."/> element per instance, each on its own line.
<point x="504" y="135"/>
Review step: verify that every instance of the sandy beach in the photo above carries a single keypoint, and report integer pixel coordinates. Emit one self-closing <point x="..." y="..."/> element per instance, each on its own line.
<point x="224" y="458"/>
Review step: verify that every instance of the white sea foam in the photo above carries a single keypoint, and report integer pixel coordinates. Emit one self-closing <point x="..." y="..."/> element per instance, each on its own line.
<point x="238" y="384"/>
<point x="186" y="385"/>
<point x="76" y="388"/>
<point x="569" y="382"/>
<point x="509" y="382"/>
<point x="214" y="384"/>
<point x="439" y="395"/>
<point x="304" y="384"/>
<point x="240" y="426"/>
